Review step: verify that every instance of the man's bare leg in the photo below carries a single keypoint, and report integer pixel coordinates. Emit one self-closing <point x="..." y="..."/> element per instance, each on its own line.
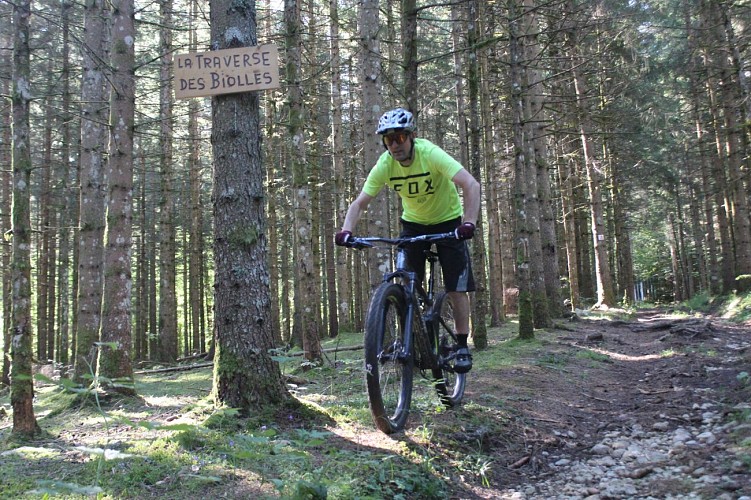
<point x="460" y="304"/>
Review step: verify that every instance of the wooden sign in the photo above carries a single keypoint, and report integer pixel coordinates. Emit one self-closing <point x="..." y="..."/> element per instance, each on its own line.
<point x="227" y="71"/>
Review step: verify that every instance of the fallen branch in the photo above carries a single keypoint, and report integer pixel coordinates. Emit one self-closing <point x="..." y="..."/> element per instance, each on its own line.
<point x="691" y="327"/>
<point x="520" y="462"/>
<point x="649" y="393"/>
<point x="332" y="349"/>
<point x="211" y="363"/>
<point x="290" y="379"/>
<point x="660" y="325"/>
<point x="596" y="398"/>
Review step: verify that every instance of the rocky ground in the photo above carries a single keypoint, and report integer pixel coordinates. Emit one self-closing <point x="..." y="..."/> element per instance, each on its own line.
<point x="654" y="407"/>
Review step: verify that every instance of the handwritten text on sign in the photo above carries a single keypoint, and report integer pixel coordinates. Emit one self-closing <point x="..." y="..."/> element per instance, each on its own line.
<point x="226" y="71"/>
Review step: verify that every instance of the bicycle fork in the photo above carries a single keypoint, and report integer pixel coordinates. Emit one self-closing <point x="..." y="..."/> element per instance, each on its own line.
<point x="400" y="351"/>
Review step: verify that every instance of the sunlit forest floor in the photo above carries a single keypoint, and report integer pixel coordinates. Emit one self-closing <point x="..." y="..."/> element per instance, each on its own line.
<point x="532" y="411"/>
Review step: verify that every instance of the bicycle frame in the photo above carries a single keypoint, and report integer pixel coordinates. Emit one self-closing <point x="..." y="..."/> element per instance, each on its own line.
<point x="399" y="308"/>
<point x="410" y="283"/>
<point x="413" y="291"/>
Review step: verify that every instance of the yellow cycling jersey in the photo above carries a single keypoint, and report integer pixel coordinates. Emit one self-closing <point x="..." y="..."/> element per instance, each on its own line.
<point x="428" y="194"/>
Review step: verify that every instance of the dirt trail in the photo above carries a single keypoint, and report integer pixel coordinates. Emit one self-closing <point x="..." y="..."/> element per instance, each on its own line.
<point x="655" y="407"/>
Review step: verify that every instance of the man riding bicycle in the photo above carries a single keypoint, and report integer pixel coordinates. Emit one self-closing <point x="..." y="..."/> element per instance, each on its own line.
<point x="426" y="179"/>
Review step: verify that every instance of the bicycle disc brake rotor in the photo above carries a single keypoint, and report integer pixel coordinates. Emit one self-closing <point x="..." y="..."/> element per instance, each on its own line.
<point x="390" y="353"/>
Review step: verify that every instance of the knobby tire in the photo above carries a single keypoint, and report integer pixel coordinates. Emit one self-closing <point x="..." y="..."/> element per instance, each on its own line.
<point x="388" y="379"/>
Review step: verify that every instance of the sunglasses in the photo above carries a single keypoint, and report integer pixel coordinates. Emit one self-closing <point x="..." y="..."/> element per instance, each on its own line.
<point x="399" y="138"/>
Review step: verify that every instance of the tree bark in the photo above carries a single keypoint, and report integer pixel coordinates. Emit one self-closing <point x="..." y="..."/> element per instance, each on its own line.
<point x="377" y="217"/>
<point x="522" y="197"/>
<point x="114" y="367"/>
<point x="534" y="206"/>
<point x="44" y="240"/>
<point x="306" y="272"/>
<point x="339" y="315"/>
<point x="593" y="167"/>
<point x="538" y="122"/>
<point x="6" y="249"/>
<point x="491" y="177"/>
<point x="92" y="205"/>
<point x="732" y="139"/>
<point x="409" y="54"/>
<point x="245" y="376"/>
<point x="68" y="184"/>
<point x="168" y="340"/>
<point x="21" y="382"/>
<point x="196" y="261"/>
<point x="480" y="296"/>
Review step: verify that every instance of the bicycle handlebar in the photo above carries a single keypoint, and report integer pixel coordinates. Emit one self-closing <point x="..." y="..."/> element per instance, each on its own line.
<point x="370" y="241"/>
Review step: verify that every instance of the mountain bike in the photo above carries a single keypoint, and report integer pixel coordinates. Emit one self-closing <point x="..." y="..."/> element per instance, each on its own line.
<point x="408" y="328"/>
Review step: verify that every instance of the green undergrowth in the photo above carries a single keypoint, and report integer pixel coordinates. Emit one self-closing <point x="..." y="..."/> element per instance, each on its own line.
<point x="171" y="442"/>
<point x="735" y="307"/>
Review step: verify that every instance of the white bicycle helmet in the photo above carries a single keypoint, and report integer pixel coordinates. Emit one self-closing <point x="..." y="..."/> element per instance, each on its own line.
<point x="398" y="118"/>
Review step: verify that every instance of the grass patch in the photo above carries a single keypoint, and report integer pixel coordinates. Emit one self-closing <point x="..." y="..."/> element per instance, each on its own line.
<point x="593" y="355"/>
<point x="733" y="307"/>
<point x="171" y="442"/>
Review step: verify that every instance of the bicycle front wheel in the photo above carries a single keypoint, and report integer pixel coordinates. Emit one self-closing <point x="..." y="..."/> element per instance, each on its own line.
<point x="449" y="384"/>
<point x="388" y="373"/>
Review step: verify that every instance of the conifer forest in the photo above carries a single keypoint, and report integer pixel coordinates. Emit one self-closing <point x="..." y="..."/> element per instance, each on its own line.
<point x="612" y="141"/>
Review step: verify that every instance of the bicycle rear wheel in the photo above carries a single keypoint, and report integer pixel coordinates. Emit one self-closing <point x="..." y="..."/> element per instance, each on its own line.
<point x="449" y="384"/>
<point x="388" y="376"/>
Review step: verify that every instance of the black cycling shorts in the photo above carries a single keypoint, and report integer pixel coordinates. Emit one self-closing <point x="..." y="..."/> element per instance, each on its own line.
<point x="452" y="254"/>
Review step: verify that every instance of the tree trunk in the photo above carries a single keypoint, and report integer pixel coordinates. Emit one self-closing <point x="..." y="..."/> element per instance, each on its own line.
<point x="722" y="190"/>
<point x="195" y="257"/>
<point x="480" y="302"/>
<point x="732" y="145"/>
<point x="328" y="200"/>
<point x="114" y="367"/>
<point x="47" y="258"/>
<point x="317" y="182"/>
<point x="68" y="211"/>
<point x="377" y="217"/>
<point x="491" y="178"/>
<point x="458" y="29"/>
<point x="409" y="54"/>
<point x="538" y="122"/>
<point x="522" y="198"/>
<point x="738" y="98"/>
<point x="92" y="197"/>
<point x="21" y="382"/>
<point x="167" y="268"/>
<point x="622" y="236"/>
<point x="709" y="256"/>
<point x="245" y="376"/>
<point x="605" y="292"/>
<point x="6" y="250"/>
<point x="566" y="182"/>
<point x="534" y="162"/>
<point x="43" y="240"/>
<point x="307" y="278"/>
<point x="339" y="314"/>
<point x="678" y="283"/>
